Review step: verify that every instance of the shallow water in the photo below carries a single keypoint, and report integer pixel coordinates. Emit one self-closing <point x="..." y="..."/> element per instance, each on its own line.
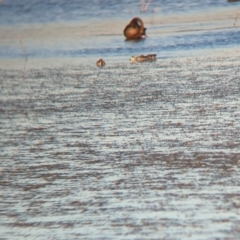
<point x="129" y="151"/>
<point x="171" y="32"/>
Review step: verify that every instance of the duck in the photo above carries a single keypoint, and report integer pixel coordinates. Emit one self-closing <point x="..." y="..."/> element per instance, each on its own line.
<point x="135" y="30"/>
<point x="142" y="58"/>
<point x="100" y="63"/>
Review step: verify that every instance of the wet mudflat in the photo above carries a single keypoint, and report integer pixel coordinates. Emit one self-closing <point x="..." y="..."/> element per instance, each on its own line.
<point x="130" y="151"/>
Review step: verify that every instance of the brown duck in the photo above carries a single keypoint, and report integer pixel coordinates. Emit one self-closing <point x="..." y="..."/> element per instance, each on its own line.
<point x="100" y="63"/>
<point x="135" y="29"/>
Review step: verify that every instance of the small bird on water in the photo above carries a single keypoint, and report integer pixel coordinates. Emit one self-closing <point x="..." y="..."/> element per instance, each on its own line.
<point x="142" y="58"/>
<point x="135" y="30"/>
<point x="100" y="63"/>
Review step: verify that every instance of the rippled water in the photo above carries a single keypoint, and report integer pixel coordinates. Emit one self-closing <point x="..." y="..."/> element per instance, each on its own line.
<point x="129" y="151"/>
<point x="26" y="11"/>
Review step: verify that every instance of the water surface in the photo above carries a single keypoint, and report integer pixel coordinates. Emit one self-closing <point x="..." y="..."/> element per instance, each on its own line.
<point x="93" y="29"/>
<point x="129" y="151"/>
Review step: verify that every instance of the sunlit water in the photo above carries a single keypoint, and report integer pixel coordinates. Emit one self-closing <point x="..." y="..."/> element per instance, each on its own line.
<point x="92" y="29"/>
<point x="130" y="151"/>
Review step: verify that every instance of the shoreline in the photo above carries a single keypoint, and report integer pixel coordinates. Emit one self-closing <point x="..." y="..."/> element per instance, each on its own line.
<point x="38" y="63"/>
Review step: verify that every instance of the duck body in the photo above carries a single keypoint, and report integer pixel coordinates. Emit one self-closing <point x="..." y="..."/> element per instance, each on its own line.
<point x="135" y="30"/>
<point x="142" y="58"/>
<point x="100" y="63"/>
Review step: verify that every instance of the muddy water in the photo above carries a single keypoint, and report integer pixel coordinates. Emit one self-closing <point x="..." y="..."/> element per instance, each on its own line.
<point x="130" y="151"/>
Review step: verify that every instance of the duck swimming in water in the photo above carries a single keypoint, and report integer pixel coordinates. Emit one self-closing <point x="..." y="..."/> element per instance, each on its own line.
<point x="135" y="29"/>
<point x="142" y="58"/>
<point x="100" y="63"/>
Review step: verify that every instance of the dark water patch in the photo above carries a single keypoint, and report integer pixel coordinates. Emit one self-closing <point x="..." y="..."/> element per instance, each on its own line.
<point x="26" y="11"/>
